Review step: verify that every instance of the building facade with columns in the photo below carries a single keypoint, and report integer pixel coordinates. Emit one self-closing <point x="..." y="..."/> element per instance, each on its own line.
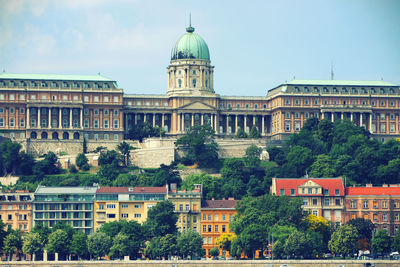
<point x="74" y="106"/>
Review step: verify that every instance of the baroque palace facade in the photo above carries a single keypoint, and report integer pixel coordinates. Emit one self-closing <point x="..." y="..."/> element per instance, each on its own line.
<point x="73" y="107"/>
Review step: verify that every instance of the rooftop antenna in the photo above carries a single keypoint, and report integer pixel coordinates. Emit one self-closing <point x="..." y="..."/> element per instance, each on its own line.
<point x="190" y="19"/>
<point x="332" y="74"/>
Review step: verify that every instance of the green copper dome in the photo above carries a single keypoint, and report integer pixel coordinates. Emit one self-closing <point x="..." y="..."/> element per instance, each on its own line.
<point x="190" y="45"/>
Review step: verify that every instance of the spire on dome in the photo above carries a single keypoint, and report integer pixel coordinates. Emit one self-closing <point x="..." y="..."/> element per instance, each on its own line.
<point x="190" y="28"/>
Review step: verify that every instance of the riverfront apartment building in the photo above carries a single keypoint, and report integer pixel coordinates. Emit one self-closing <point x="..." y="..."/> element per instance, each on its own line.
<point x="71" y="205"/>
<point x="321" y="196"/>
<point x="125" y="203"/>
<point x="215" y="218"/>
<point x="60" y="107"/>
<point x="16" y="209"/>
<point x="381" y="205"/>
<point x="187" y="206"/>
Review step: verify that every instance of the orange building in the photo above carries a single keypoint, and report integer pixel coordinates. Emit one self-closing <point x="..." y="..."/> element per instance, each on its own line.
<point x="16" y="210"/>
<point x="215" y="218"/>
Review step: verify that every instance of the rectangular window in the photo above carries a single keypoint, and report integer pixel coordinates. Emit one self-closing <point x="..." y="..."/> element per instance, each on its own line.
<point x="187" y="207"/>
<point x="365" y="204"/>
<point x="96" y="123"/>
<point x="96" y="98"/>
<point x="384" y="204"/>
<point x="116" y="124"/>
<point x="282" y="192"/>
<point x="106" y="99"/>
<point x="204" y="228"/>
<point x="305" y="202"/>
<point x="337" y="202"/>
<point x="337" y="192"/>
<point x="124" y="215"/>
<point x="124" y="206"/>
<point x="223" y="217"/>
<point x="106" y="124"/>
<point x="384" y="217"/>
<point x="326" y="192"/>
<point x="352" y="204"/>
<point x="137" y="206"/>
<point x="138" y="215"/>
<point x="111" y="215"/>
<point x="116" y="98"/>
<point x="396" y="216"/>
<point x="223" y="228"/>
<point x="204" y="217"/>
<point x="216" y="228"/>
<point x="315" y="202"/>
<point x="292" y="192"/>
<point x="326" y="201"/>
<point x="110" y="206"/>
<point x="209" y="228"/>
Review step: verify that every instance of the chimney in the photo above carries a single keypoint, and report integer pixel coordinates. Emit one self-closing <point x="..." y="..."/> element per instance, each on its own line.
<point x="212" y="198"/>
<point x="368" y="185"/>
<point x="231" y="198"/>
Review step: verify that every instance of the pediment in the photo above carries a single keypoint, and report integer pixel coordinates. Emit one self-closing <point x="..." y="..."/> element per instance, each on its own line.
<point x="197" y="105"/>
<point x="310" y="183"/>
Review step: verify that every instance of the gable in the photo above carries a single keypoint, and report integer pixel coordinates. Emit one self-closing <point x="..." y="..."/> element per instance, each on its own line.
<point x="198" y="105"/>
<point x="310" y="183"/>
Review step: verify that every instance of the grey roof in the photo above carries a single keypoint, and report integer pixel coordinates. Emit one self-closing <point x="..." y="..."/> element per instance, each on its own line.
<point x="91" y="190"/>
<point x="340" y="82"/>
<point x="54" y="77"/>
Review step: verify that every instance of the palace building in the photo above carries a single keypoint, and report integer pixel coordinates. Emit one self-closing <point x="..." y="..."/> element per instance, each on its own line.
<point x="60" y="107"/>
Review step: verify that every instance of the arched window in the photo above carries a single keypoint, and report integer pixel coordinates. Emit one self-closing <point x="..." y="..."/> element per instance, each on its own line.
<point x="207" y="83"/>
<point x="194" y="83"/>
<point x="44" y="135"/>
<point x="11" y="122"/>
<point x="179" y="83"/>
<point x="65" y="135"/>
<point x="33" y="135"/>
<point x="76" y="136"/>
<point x="54" y="136"/>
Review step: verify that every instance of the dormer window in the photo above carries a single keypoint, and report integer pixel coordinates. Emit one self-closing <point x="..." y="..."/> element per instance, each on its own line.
<point x="85" y="85"/>
<point x="306" y="90"/>
<point x="391" y="91"/>
<point x="326" y="192"/>
<point x="382" y="91"/>
<point x="309" y="190"/>
<point x="344" y="90"/>
<point x="296" y="89"/>
<point x="44" y="84"/>
<point x="12" y="84"/>
<point x="65" y="85"/>
<point x="75" y="85"/>
<point x="326" y="90"/>
<point x="363" y="91"/>
<point x="316" y="90"/>
<point x="335" y="90"/>
<point x="354" y="90"/>
<point x="33" y="84"/>
<point x="373" y="91"/>
<point x="22" y="84"/>
<point x="53" y="85"/>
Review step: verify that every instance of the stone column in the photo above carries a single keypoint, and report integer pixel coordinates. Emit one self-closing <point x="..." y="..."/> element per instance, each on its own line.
<point x="70" y="118"/>
<point x="135" y="114"/>
<point x="397" y="123"/>
<point x="39" y="124"/>
<point x="60" y="118"/>
<point x="201" y="77"/>
<point x="183" y="122"/>
<point x="332" y="117"/>
<point x="351" y="117"/>
<point x="162" y="120"/>
<point x="28" y="120"/>
<point x="245" y="123"/>
<point x="121" y="118"/>
<point x="361" y="119"/>
<point x="49" y="118"/>
<point x="154" y="120"/>
<point x="192" y="120"/>
<point x="81" y="118"/>
<point x="236" y="122"/>
<point x="144" y="117"/>
<point x="216" y="123"/>
<point x="323" y="115"/>
<point x="202" y="119"/>
<point x="212" y="120"/>
<point x="179" y="122"/>
<point x="341" y="115"/>
<point x="262" y="125"/>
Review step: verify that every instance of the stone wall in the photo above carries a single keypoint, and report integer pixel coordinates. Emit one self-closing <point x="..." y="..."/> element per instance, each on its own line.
<point x="208" y="263"/>
<point x="151" y="153"/>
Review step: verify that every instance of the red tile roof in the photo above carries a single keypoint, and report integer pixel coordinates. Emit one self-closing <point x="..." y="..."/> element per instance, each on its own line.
<point x="218" y="204"/>
<point x="326" y="183"/>
<point x="134" y="190"/>
<point x="359" y="191"/>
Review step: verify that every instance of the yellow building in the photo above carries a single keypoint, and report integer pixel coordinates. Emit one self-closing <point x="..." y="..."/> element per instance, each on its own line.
<point x="16" y="210"/>
<point x="125" y="203"/>
<point x="187" y="206"/>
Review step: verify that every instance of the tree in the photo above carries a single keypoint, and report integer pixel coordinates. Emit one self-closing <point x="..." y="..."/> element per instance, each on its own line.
<point x="161" y="219"/>
<point x="143" y="130"/>
<point x="381" y="242"/>
<point x="241" y="134"/>
<point x="254" y="133"/>
<point x="10" y="156"/>
<point x="252" y="157"/>
<point x="26" y="164"/>
<point x="343" y="240"/>
<point x="12" y="244"/>
<point x="82" y="162"/>
<point x="3" y="233"/>
<point x="59" y="242"/>
<point x="120" y="246"/>
<point x="33" y="244"/>
<point x="125" y="149"/>
<point x="364" y="227"/>
<point x="98" y="244"/>
<point x="84" y="145"/>
<point x="396" y="242"/>
<point x="201" y="146"/>
<point x="189" y="243"/>
<point x="322" y="167"/>
<point x="225" y="241"/>
<point x="214" y="252"/>
<point x="46" y="166"/>
<point x="298" y="160"/>
<point x="162" y="246"/>
<point x="109" y="157"/>
<point x="43" y="232"/>
<point x="298" y="244"/>
<point x="79" y="244"/>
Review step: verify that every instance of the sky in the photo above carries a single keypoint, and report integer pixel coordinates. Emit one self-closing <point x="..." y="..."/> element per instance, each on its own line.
<point x="254" y="45"/>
